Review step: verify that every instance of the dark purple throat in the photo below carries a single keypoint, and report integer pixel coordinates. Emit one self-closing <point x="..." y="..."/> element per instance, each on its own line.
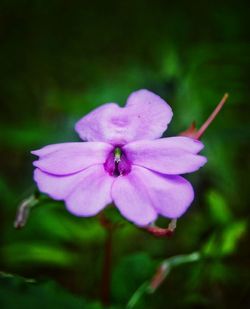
<point x="117" y="163"/>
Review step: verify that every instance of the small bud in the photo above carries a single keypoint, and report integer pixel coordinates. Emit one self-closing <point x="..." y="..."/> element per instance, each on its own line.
<point x="24" y="210"/>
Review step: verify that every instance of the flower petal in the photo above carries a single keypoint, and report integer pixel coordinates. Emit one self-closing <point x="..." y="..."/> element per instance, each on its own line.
<point x="132" y="199"/>
<point x="170" y="195"/>
<point x="172" y="156"/>
<point x="145" y="116"/>
<point x="68" y="158"/>
<point x="85" y="193"/>
<point x="154" y="114"/>
<point x="57" y="186"/>
<point x="92" y="194"/>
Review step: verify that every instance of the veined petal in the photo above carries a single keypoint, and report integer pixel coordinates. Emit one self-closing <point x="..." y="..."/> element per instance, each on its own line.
<point x="170" y="195"/>
<point x="131" y="197"/>
<point x="92" y="194"/>
<point x="68" y="158"/>
<point x="145" y="116"/>
<point x="172" y="156"/>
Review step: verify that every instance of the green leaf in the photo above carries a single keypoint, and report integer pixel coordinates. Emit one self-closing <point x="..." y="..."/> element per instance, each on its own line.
<point x="39" y="253"/>
<point x="21" y="293"/>
<point x="225" y="242"/>
<point x="218" y="207"/>
<point x="231" y="237"/>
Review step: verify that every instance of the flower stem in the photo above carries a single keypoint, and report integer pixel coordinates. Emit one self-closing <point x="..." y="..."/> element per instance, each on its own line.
<point x="203" y="128"/>
<point x="107" y="262"/>
<point x="162" y="232"/>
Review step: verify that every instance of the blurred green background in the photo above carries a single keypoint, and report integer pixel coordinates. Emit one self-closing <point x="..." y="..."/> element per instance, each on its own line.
<point x="59" y="60"/>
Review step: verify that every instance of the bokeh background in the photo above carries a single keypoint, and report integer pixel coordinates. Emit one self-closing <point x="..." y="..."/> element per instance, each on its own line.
<point x="59" y="60"/>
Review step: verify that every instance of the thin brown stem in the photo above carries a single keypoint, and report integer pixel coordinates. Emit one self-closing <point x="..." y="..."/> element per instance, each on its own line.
<point x="107" y="267"/>
<point x="203" y="128"/>
<point x="107" y="260"/>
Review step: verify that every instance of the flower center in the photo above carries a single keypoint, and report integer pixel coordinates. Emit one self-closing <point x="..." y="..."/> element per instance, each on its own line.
<point x="117" y="163"/>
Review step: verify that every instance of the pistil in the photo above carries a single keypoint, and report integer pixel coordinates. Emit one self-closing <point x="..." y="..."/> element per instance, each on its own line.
<point x="118" y="154"/>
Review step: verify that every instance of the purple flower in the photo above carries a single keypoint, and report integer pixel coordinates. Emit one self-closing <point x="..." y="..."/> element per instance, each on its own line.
<point x="124" y="161"/>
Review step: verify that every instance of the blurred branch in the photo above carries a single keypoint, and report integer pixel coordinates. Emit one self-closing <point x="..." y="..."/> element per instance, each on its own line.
<point x="8" y="275"/>
<point x="165" y="267"/>
<point x="162" y="271"/>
